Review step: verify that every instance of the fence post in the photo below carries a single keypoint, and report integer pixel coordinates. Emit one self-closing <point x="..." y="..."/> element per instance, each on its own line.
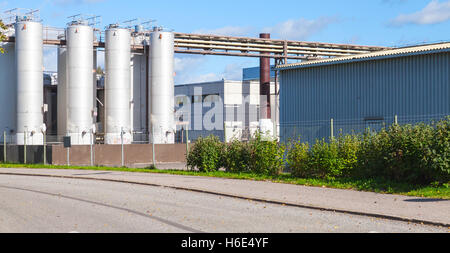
<point x="25" y="148"/>
<point x="153" y="147"/>
<point x="92" y="158"/>
<point x="187" y="139"/>
<point x="45" y="149"/>
<point x="4" y="146"/>
<point x="224" y="132"/>
<point x="68" y="156"/>
<point x="396" y="120"/>
<point x="121" y="143"/>
<point x="332" y="128"/>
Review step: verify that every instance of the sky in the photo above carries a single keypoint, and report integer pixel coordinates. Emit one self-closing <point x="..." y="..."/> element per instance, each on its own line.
<point x="390" y="23"/>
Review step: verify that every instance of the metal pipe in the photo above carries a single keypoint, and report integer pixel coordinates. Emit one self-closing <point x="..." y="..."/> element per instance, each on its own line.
<point x="206" y="52"/>
<point x="275" y="120"/>
<point x="250" y="49"/>
<point x="212" y="42"/>
<point x="264" y="80"/>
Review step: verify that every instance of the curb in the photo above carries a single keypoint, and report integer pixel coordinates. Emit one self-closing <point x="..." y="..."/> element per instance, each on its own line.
<point x="375" y="215"/>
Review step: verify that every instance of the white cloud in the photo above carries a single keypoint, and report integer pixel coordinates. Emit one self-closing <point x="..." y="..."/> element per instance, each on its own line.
<point x="190" y="69"/>
<point x="187" y="70"/>
<point x="300" y="29"/>
<point x="233" y="71"/>
<point x="435" y="12"/>
<point x="228" y="31"/>
<point x="186" y="63"/>
<point x="209" y="77"/>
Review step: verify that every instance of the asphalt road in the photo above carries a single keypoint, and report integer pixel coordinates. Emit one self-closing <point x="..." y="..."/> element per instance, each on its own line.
<point x="56" y="205"/>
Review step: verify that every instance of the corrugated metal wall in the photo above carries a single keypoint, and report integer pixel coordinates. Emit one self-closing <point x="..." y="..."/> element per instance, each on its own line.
<point x="412" y="87"/>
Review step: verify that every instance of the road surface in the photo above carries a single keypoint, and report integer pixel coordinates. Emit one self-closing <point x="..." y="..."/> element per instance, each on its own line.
<point x="57" y="205"/>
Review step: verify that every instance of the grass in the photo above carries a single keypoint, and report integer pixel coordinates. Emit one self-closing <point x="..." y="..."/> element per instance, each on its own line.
<point x="369" y="185"/>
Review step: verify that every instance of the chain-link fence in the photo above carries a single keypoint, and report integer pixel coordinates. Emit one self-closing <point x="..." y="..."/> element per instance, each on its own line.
<point x="37" y="148"/>
<point x="310" y="131"/>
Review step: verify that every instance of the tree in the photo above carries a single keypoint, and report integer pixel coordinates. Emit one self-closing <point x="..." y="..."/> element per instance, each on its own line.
<point x="2" y="35"/>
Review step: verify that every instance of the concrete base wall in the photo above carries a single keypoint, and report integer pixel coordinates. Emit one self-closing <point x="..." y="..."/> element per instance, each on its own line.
<point x="135" y="155"/>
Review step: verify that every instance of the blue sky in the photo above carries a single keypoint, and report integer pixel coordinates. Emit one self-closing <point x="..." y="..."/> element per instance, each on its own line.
<point x="368" y="22"/>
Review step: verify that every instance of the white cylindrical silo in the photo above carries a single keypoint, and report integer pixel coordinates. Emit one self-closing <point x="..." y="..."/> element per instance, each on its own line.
<point x="8" y="89"/>
<point x="162" y="89"/>
<point x="80" y="106"/>
<point x="29" y="66"/>
<point x="117" y="86"/>
<point x="62" y="94"/>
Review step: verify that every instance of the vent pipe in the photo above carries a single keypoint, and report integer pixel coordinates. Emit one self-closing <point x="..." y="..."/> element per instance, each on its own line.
<point x="264" y="79"/>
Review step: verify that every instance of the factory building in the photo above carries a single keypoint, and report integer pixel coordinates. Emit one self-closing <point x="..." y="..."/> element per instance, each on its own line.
<point x="364" y="91"/>
<point x="225" y="108"/>
<point x="253" y="73"/>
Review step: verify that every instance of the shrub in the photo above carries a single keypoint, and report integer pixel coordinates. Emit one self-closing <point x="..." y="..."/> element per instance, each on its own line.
<point x="266" y="155"/>
<point x="237" y="156"/>
<point x="328" y="160"/>
<point x="440" y="152"/>
<point x="348" y="148"/>
<point x="207" y="154"/>
<point x="297" y="159"/>
<point x="325" y="161"/>
<point x="401" y="153"/>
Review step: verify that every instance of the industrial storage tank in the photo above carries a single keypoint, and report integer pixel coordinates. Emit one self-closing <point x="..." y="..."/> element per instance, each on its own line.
<point x="62" y="94"/>
<point x="80" y="93"/>
<point x="8" y="88"/>
<point x="117" y="86"/>
<point x="29" y="70"/>
<point x="162" y="89"/>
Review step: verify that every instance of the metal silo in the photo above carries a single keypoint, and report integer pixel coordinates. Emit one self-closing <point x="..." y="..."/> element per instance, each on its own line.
<point x="80" y="106"/>
<point x="161" y="70"/>
<point x="29" y="66"/>
<point x="117" y="85"/>
<point x="62" y="94"/>
<point x="8" y="89"/>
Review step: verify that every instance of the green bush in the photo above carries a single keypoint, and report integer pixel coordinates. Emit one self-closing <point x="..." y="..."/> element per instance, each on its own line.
<point x="237" y="157"/>
<point x="324" y="160"/>
<point x="207" y="154"/>
<point x="266" y="155"/>
<point x="348" y="148"/>
<point x="440" y="152"/>
<point x="327" y="160"/>
<point x="401" y="153"/>
<point x="297" y="159"/>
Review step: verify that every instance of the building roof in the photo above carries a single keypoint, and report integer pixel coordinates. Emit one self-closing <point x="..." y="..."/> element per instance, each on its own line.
<point x="398" y="52"/>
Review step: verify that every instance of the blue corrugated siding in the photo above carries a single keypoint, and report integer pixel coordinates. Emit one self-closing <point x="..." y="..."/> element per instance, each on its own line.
<point x="404" y="86"/>
<point x="253" y="73"/>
